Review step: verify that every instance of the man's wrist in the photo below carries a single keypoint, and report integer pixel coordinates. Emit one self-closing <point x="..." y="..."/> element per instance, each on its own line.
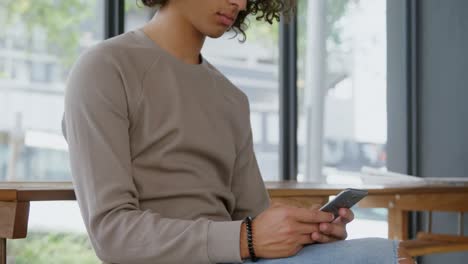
<point x="244" y="249"/>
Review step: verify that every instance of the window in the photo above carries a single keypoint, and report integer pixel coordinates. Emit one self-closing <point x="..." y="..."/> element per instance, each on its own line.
<point x="38" y="40"/>
<point x="38" y="72"/>
<point x="342" y="118"/>
<point x="37" y="53"/>
<point x="2" y="41"/>
<point x="347" y="99"/>
<point x="31" y="106"/>
<point x="2" y="67"/>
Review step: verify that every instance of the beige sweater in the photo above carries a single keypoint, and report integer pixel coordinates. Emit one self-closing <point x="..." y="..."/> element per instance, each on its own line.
<point x="161" y="155"/>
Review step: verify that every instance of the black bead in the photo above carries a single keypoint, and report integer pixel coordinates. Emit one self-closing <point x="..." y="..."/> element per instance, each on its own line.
<point x="248" y="224"/>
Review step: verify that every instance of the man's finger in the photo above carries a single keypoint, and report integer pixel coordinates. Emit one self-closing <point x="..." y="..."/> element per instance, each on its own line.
<point x="322" y="238"/>
<point x="335" y="230"/>
<point x="311" y="216"/>
<point x="306" y="228"/>
<point x="306" y="239"/>
<point x="346" y="216"/>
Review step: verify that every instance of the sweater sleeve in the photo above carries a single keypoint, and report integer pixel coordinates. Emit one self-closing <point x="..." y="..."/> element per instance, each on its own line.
<point x="252" y="198"/>
<point x="96" y="126"/>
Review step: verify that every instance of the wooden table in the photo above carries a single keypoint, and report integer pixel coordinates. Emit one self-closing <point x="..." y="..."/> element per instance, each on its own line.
<point x="398" y="199"/>
<point x="15" y="199"/>
<point x="14" y="206"/>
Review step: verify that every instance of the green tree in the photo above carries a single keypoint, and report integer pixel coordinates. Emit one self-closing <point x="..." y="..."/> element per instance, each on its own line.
<point x="61" y="21"/>
<point x="335" y="10"/>
<point x="52" y="248"/>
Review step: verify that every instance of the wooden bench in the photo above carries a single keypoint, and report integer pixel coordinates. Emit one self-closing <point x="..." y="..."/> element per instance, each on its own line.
<point x="427" y="242"/>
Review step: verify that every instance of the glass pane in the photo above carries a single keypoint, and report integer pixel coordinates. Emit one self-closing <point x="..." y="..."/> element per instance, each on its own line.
<point x="253" y="67"/>
<point x="39" y="42"/>
<point x="342" y="97"/>
<point x="350" y="91"/>
<point x="35" y="57"/>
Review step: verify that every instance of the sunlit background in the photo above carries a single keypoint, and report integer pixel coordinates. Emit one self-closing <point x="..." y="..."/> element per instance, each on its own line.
<point x="41" y="39"/>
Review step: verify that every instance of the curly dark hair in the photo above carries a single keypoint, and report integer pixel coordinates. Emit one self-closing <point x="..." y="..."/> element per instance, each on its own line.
<point x="262" y="10"/>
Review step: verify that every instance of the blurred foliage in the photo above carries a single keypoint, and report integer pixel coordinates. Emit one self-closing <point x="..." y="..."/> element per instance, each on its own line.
<point x="262" y="32"/>
<point x="61" y="21"/>
<point x="133" y="5"/>
<point x="336" y="9"/>
<point x="335" y="12"/>
<point x="52" y="248"/>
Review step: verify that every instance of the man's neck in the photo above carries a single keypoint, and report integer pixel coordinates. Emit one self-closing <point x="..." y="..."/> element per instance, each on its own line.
<point x="175" y="35"/>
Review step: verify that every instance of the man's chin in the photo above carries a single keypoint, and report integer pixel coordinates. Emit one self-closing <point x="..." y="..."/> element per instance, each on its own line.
<point x="217" y="32"/>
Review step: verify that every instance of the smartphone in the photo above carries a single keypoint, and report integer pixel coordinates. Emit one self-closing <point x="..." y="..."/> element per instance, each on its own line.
<point x="345" y="199"/>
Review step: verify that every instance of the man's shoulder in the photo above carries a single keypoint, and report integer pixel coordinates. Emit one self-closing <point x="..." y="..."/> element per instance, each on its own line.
<point x="224" y="81"/>
<point x="124" y="50"/>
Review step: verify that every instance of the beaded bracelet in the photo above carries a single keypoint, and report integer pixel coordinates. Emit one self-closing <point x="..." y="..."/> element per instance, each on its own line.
<point x="248" y="224"/>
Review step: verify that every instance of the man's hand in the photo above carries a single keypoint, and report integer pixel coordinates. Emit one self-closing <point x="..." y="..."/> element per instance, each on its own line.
<point x="282" y="230"/>
<point x="329" y="232"/>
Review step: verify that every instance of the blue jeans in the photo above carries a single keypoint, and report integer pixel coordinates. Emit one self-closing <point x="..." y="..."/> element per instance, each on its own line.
<point x="355" y="251"/>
